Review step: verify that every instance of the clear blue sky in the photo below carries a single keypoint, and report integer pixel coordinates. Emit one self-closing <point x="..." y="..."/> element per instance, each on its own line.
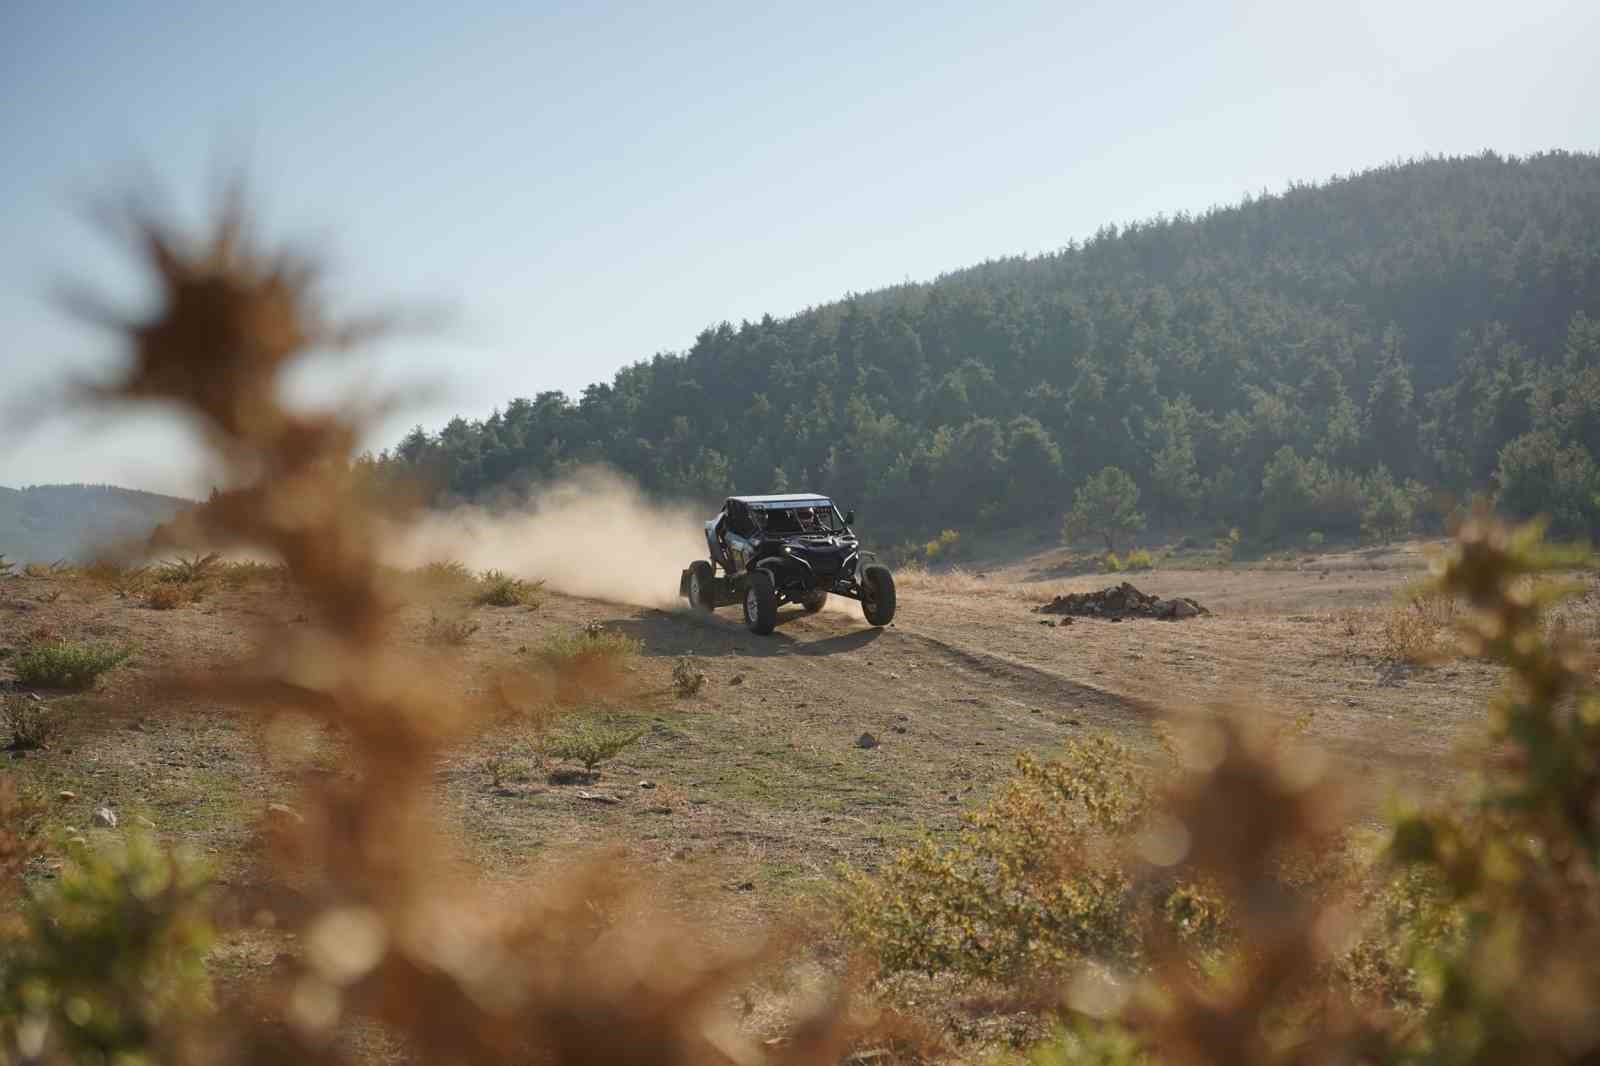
<point x="584" y="185"/>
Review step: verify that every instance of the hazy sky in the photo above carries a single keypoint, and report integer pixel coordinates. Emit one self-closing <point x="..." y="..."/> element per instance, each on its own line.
<point x="584" y="185"/>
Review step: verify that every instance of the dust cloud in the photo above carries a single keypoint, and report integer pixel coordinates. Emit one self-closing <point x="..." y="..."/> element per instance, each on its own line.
<point x="592" y="534"/>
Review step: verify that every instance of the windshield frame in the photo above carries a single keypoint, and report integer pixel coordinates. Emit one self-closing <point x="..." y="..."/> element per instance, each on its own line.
<point x="834" y="521"/>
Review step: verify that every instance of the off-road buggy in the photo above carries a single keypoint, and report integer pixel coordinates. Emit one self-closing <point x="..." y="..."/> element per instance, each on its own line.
<point x="795" y="548"/>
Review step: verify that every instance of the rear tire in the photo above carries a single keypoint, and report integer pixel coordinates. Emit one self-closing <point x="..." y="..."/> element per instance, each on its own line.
<point x="702" y="586"/>
<point x="814" y="601"/>
<point x="761" y="603"/>
<point x="877" y="595"/>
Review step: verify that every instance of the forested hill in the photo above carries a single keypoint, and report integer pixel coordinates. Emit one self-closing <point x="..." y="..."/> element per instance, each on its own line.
<point x="1303" y="361"/>
<point x="46" y="523"/>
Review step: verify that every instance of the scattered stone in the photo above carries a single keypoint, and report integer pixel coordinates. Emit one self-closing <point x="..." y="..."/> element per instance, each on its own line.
<point x="742" y="886"/>
<point x="899" y="728"/>
<point x="65" y="796"/>
<point x="647" y="784"/>
<point x="105" y="817"/>
<point x="866" y="740"/>
<point x="1119" y="602"/>
<point x="284" y="815"/>
<point x="736" y="679"/>
<point x="142" y="822"/>
<point x="597" y="797"/>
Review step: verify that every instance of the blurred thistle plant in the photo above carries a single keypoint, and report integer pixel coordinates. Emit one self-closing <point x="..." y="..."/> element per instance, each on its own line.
<point x="579" y="972"/>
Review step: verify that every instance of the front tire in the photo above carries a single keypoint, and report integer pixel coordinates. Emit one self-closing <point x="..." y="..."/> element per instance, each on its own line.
<point x="877" y="595"/>
<point x="761" y="603"/>
<point x="814" y="601"/>
<point x="702" y="586"/>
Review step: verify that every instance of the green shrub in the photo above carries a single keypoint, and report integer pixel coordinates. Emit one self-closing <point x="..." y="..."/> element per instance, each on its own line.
<point x="947" y="545"/>
<point x="499" y="589"/>
<point x="1139" y="559"/>
<point x="593" y="644"/>
<point x="1314" y="540"/>
<point x="67" y="664"/>
<point x="1032" y="884"/>
<point x="1112" y="563"/>
<point x="592" y="743"/>
<point x="112" y="960"/>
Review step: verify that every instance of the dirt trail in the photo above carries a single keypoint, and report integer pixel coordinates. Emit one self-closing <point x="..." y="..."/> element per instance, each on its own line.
<point x="981" y="671"/>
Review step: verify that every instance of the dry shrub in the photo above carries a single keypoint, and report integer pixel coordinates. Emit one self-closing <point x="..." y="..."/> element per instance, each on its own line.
<point x="499" y="589"/>
<point x="164" y="597"/>
<point x="243" y="573"/>
<point x="26" y="723"/>
<point x="1414" y="628"/>
<point x="581" y="973"/>
<point x="686" y="679"/>
<point x="194" y="570"/>
<point x="449" y="631"/>
<point x="442" y="576"/>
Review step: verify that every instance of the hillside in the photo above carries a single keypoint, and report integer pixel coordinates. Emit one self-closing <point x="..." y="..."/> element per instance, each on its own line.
<point x="44" y="523"/>
<point x="1313" y="360"/>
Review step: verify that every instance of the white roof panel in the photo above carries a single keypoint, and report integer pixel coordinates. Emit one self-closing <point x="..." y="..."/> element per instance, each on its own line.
<point x="788" y="499"/>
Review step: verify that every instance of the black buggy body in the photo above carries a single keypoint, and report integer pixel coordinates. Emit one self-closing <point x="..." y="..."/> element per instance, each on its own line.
<point x="791" y="548"/>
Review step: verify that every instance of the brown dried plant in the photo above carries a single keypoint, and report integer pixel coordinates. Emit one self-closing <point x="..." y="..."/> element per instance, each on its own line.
<point x="394" y="933"/>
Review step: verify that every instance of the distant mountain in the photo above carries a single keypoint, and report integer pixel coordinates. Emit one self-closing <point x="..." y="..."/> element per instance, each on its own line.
<point x="43" y="523"/>
<point x="1339" y="358"/>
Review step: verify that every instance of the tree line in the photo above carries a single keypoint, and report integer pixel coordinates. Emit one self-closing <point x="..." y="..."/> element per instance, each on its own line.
<point x="1340" y="357"/>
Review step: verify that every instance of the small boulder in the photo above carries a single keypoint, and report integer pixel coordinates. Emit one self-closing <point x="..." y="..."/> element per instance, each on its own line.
<point x="142" y="822"/>
<point x="866" y="740"/>
<point x="66" y="796"/>
<point x="105" y="818"/>
<point x="736" y="679"/>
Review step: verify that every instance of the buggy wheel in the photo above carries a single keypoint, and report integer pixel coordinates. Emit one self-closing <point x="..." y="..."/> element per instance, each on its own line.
<point x="760" y="603"/>
<point x="877" y="595"/>
<point x="702" y="586"/>
<point x="813" y="601"/>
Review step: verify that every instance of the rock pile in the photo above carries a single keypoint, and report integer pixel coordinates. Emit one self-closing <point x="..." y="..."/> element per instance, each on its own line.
<point x="1122" y="601"/>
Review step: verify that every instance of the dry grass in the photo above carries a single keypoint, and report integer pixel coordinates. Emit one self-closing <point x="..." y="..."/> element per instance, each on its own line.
<point x="1418" y="628"/>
